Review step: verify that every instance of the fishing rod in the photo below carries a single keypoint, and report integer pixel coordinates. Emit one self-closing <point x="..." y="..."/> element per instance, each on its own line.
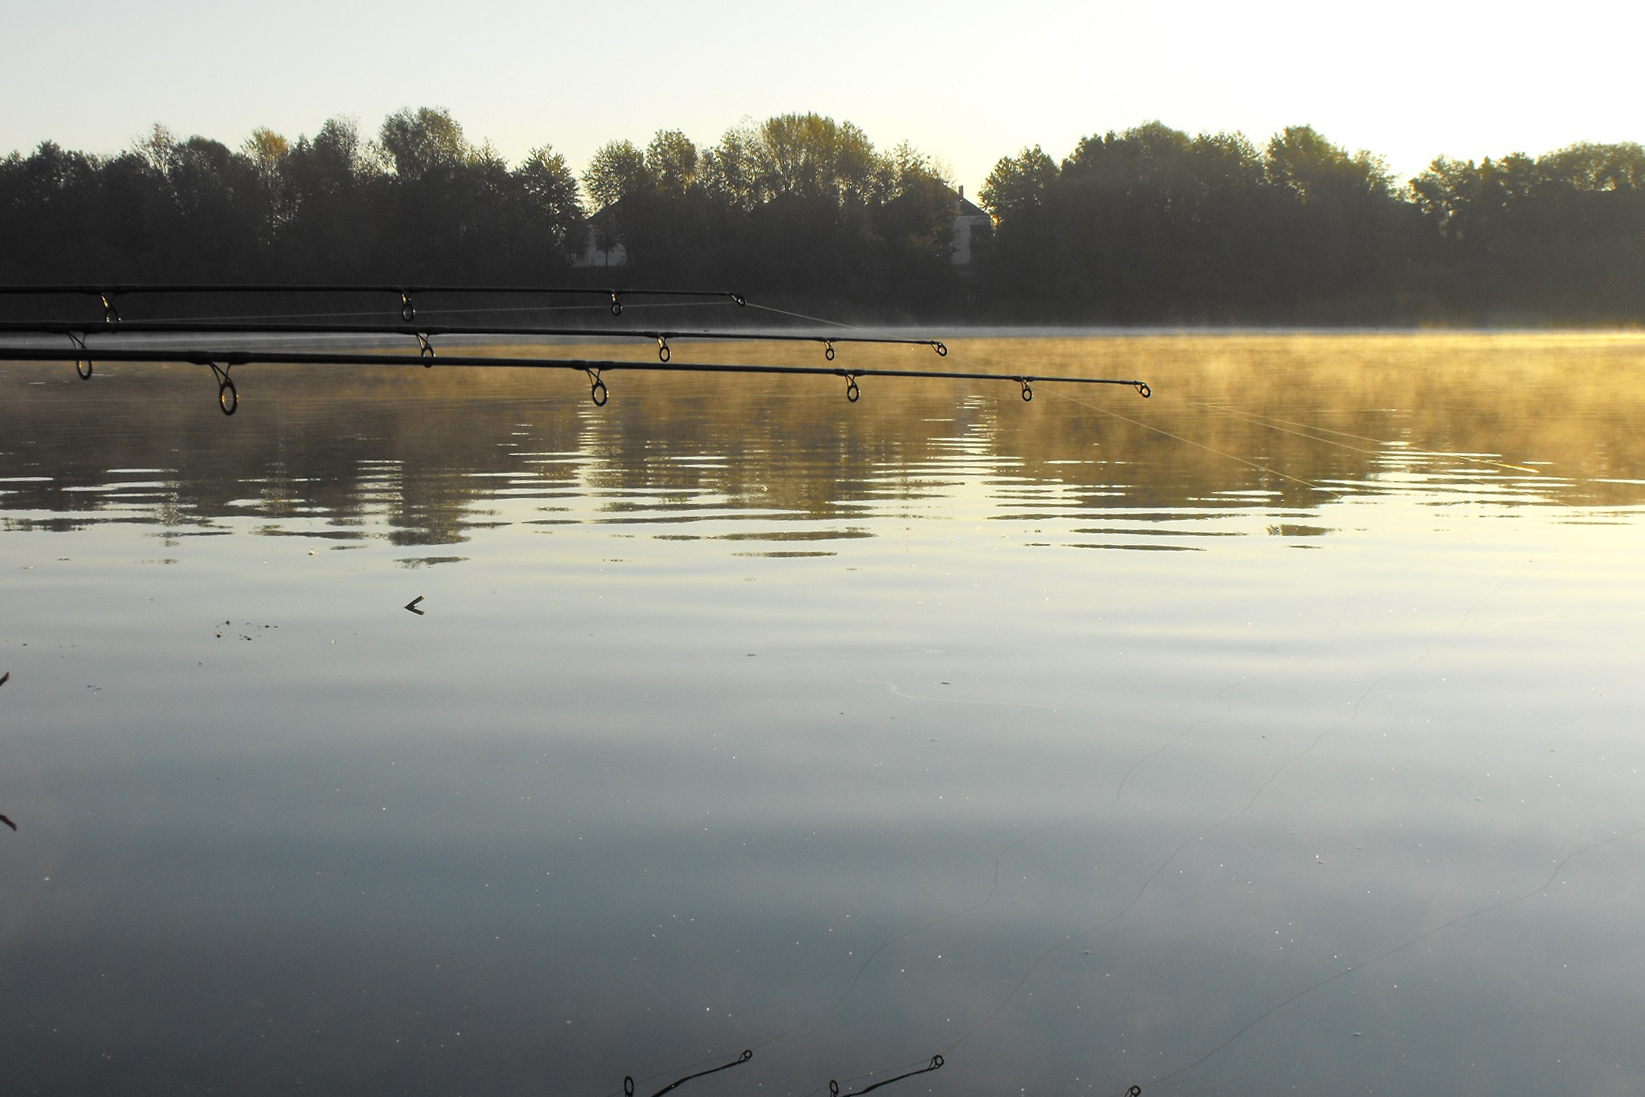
<point x="220" y="362"/>
<point x="422" y="333"/>
<point x="108" y="293"/>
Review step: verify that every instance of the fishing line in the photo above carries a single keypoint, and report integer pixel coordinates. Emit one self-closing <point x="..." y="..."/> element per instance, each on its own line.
<point x="251" y="318"/>
<point x="1228" y="410"/>
<point x="363" y="314"/>
<point x="268" y="316"/>
<point x="1262" y="421"/>
<point x="427" y="311"/>
<point x="1256" y="795"/>
<point x="1263" y="787"/>
<point x="1201" y="445"/>
<point x="1559" y="866"/>
<point x="1085" y="817"/>
<point x="800" y="316"/>
<point x="868" y="961"/>
<point x="1118" y="795"/>
<point x="1387" y="447"/>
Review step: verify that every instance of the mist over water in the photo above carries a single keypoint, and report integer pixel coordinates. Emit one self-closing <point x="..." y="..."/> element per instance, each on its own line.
<point x="1278" y="731"/>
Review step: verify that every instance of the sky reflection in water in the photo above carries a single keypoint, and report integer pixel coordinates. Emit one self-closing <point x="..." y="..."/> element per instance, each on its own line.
<point x="742" y="717"/>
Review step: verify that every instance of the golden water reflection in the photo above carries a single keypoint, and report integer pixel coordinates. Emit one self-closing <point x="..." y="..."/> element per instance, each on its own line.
<point x="1287" y="422"/>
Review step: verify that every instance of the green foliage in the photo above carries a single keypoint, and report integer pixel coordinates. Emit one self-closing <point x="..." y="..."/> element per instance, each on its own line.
<point x="422" y="141"/>
<point x="804" y="157"/>
<point x="617" y="170"/>
<point x="1018" y="184"/>
<point x="1313" y="169"/>
<point x="671" y="162"/>
<point x="266" y="150"/>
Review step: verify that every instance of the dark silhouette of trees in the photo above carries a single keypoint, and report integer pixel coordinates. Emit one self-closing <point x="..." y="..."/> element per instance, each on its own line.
<point x="333" y="188"/>
<point x="455" y="212"/>
<point x="549" y="210"/>
<point x="1018" y="184"/>
<point x="1344" y="225"/>
<point x="1152" y="225"/>
<point x="420" y="204"/>
<point x="1561" y="236"/>
<point x="424" y="142"/>
<point x="799" y="205"/>
<point x="1149" y="225"/>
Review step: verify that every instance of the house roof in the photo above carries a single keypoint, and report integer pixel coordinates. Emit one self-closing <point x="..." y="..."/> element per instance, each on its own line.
<point x="964" y="207"/>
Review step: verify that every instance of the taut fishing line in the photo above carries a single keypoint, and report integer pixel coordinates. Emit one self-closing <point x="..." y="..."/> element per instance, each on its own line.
<point x="1559" y="866"/>
<point x="1284" y="427"/>
<point x="1208" y="449"/>
<point x="999" y="857"/>
<point x="1256" y="795"/>
<point x="800" y="316"/>
<point x="1251" y="802"/>
<point x="1209" y="828"/>
<point x="1113" y="800"/>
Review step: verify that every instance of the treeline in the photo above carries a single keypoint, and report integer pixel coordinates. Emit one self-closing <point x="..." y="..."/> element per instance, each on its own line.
<point x="1154" y="225"/>
<point x="799" y="207"/>
<point x="418" y="203"/>
<point x="1146" y="226"/>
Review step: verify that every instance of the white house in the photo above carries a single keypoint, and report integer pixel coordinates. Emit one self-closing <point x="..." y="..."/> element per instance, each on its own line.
<point x="972" y="225"/>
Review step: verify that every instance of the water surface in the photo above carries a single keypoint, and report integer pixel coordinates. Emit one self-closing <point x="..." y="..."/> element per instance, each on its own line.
<point x="1278" y="732"/>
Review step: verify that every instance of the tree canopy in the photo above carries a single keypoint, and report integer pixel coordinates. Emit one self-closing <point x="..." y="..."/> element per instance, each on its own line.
<point x="1145" y="225"/>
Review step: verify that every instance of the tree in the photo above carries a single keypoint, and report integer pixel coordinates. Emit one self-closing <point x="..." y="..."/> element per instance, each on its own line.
<point x="224" y="212"/>
<point x="1018" y="183"/>
<point x="809" y="156"/>
<point x="727" y="170"/>
<point x="266" y="150"/>
<point x="671" y="162"/>
<point x="549" y="190"/>
<point x="1339" y="229"/>
<point x="617" y="170"/>
<point x="1561" y="234"/>
<point x="915" y="226"/>
<point x="49" y="206"/>
<point x="422" y="141"/>
<point x="157" y="148"/>
<point x="1302" y="161"/>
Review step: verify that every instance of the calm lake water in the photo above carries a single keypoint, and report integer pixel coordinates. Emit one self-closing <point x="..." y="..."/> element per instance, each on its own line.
<point x="1280" y="733"/>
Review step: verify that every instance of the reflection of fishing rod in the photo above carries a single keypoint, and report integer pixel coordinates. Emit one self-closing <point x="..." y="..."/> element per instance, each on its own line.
<point x="628" y="1082"/>
<point x="228" y="397"/>
<point x="78" y="333"/>
<point x="833" y="1086"/>
<point x="935" y="1064"/>
<point x="108" y="292"/>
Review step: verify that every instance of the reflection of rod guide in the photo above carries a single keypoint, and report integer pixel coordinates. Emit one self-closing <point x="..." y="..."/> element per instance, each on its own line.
<point x="4" y="678"/>
<point x="228" y="397"/>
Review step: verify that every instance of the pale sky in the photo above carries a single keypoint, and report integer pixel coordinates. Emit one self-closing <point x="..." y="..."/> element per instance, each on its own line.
<point x="966" y="82"/>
